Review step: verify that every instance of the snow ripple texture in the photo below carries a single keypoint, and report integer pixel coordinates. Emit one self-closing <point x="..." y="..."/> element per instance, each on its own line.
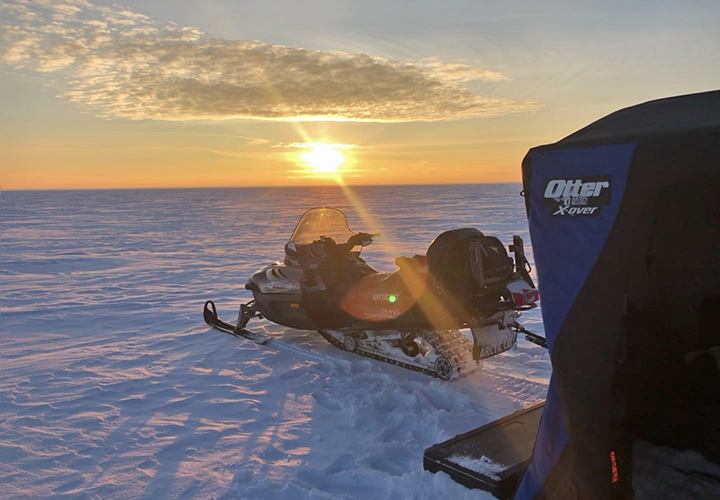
<point x="113" y="387"/>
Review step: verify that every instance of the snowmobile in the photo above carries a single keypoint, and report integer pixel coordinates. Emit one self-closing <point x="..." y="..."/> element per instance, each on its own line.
<point x="416" y="317"/>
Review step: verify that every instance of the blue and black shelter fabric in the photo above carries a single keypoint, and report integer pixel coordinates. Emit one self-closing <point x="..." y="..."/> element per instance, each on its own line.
<point x="624" y="218"/>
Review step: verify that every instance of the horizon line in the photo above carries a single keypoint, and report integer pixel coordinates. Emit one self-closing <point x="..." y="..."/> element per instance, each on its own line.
<point x="148" y="188"/>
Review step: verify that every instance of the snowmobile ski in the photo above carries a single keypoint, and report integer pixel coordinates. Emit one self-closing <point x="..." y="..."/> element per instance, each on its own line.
<point x="211" y="318"/>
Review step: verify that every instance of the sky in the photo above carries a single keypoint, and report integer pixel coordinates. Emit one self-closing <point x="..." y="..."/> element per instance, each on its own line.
<point x="190" y="93"/>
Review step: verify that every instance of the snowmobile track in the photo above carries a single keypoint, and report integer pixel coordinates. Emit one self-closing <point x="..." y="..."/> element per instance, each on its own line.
<point x="341" y="346"/>
<point x="455" y="350"/>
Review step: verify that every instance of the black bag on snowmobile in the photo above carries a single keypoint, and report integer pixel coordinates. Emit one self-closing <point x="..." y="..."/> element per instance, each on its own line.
<point x="468" y="263"/>
<point x="496" y="264"/>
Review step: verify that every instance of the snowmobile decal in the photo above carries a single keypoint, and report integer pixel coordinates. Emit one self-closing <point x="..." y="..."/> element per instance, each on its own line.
<point x="283" y="285"/>
<point x="502" y="346"/>
<point x="386" y="297"/>
<point x="382" y="315"/>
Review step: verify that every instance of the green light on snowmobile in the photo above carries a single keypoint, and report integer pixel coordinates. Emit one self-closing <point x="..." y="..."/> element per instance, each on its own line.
<point x="392" y="299"/>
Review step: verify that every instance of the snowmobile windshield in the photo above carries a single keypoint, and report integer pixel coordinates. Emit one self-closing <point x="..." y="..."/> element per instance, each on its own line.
<point x="321" y="222"/>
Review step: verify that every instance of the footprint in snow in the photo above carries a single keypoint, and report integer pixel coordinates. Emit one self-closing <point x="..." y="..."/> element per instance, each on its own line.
<point x="328" y="402"/>
<point x="272" y="453"/>
<point x="341" y="464"/>
<point x="381" y="463"/>
<point x="361" y="366"/>
<point x="297" y="371"/>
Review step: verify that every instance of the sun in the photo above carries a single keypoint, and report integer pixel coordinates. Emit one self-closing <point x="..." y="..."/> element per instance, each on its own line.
<point x="323" y="159"/>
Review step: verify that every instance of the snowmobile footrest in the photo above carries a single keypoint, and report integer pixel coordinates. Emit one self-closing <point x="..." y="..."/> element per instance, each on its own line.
<point x="492" y="457"/>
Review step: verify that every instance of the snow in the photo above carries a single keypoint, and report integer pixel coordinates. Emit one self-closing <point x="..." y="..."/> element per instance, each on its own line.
<point x="483" y="465"/>
<point x="665" y="473"/>
<point x="113" y="387"/>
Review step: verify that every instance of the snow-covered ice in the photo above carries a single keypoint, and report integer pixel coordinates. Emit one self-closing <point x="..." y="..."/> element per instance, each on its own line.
<point x="482" y="465"/>
<point x="111" y="385"/>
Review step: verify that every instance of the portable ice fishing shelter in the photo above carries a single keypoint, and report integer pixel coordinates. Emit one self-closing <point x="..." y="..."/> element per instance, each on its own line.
<point x="624" y="218"/>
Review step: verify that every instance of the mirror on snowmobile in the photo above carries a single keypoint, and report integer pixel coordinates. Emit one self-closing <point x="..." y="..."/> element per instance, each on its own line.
<point x="290" y="248"/>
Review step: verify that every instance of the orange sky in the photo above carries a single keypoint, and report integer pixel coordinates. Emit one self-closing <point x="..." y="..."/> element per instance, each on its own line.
<point x="164" y="94"/>
<point x="98" y="154"/>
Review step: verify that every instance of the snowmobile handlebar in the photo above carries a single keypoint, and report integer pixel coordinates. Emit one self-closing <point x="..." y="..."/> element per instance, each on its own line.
<point x="357" y="239"/>
<point x="363" y="239"/>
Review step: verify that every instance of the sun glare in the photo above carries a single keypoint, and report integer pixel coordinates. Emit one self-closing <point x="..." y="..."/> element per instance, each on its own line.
<point x="323" y="159"/>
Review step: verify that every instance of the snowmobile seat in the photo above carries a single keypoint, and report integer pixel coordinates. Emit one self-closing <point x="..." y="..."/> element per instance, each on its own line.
<point x="417" y="263"/>
<point x="375" y="281"/>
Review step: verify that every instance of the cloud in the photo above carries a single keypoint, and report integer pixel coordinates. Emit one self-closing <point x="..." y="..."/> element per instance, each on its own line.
<point x="250" y="141"/>
<point x="118" y="63"/>
<point x="459" y="73"/>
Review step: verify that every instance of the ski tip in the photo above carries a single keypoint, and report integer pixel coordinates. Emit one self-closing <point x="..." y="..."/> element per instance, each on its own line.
<point x="210" y="313"/>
